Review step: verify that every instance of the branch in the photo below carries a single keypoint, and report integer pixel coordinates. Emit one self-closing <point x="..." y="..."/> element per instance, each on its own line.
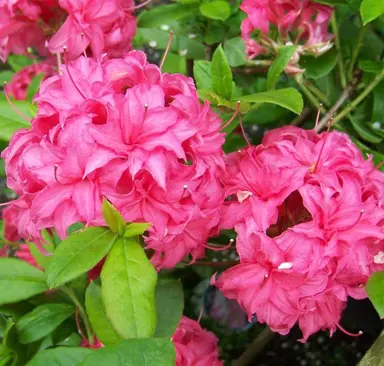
<point x="258" y="344"/>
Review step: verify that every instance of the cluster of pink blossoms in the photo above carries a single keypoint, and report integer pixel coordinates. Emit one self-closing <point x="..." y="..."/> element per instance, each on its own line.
<point x="309" y="213"/>
<point x="119" y="129"/>
<point x="302" y="21"/>
<point x="49" y="25"/>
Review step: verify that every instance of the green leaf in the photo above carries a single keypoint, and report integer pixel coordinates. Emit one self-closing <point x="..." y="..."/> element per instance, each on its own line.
<point x="97" y="316"/>
<point x="41" y="321"/>
<point x="137" y="228"/>
<point x="378" y="104"/>
<point x="234" y="49"/>
<point x="41" y="259"/>
<point x="19" y="281"/>
<point x="128" y="289"/>
<point x="34" y="86"/>
<point x="202" y="74"/>
<point x="112" y="217"/>
<point x="282" y="60"/>
<point x="5" y="76"/>
<point x="79" y="253"/>
<point x="18" y="62"/>
<point x="164" y="14"/>
<point x="221" y="74"/>
<point x="12" y="346"/>
<point x="375" y="291"/>
<point x="366" y="133"/>
<point x="61" y="356"/>
<point x="8" y="127"/>
<point x="134" y="352"/>
<point x="288" y="98"/>
<point x="219" y="10"/>
<point x="207" y="94"/>
<point x="371" y="66"/>
<point x="318" y="67"/>
<point x="371" y="9"/>
<point x="175" y="64"/>
<point x="169" y="307"/>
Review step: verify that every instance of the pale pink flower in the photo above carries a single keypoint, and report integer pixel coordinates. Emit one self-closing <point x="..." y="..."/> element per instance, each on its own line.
<point x="194" y="345"/>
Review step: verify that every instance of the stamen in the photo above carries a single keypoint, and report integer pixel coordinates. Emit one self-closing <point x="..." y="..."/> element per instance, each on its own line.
<point x="231" y="241"/>
<point x="14" y="108"/>
<point x="266" y="275"/>
<point x="167" y="49"/>
<point x="348" y="333"/>
<point x="233" y="116"/>
<point x="354" y="224"/>
<point x="83" y="43"/>
<point x="5" y="203"/>
<point x="378" y="166"/>
<point x="55" y="167"/>
<point x="201" y="313"/>
<point x="185" y="190"/>
<point x="139" y="6"/>
<point x="243" y="132"/>
<point x="69" y="73"/>
<point x="329" y="125"/>
<point x="145" y="111"/>
<point x="58" y="58"/>
<point x="285" y="265"/>
<point x="318" y="116"/>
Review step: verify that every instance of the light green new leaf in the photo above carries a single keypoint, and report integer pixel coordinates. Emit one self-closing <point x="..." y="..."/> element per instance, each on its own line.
<point x="288" y="98"/>
<point x="135" y="229"/>
<point x="371" y="9"/>
<point x="134" y="352"/>
<point x="128" y="289"/>
<point x="202" y="74"/>
<point x="221" y="74"/>
<point x="234" y="49"/>
<point x="41" y="259"/>
<point x="281" y="62"/>
<point x="112" y="217"/>
<point x="60" y="356"/>
<point x="19" y="281"/>
<point x="169" y="307"/>
<point x="42" y="321"/>
<point x="79" y="253"/>
<point x="97" y="316"/>
<point x="375" y="291"/>
<point x="219" y="10"/>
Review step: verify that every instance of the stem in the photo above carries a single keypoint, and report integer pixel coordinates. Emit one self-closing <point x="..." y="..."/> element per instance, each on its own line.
<point x="335" y="30"/>
<point x="360" y="98"/>
<point x="317" y="92"/>
<point x="356" y="51"/>
<point x="309" y="95"/>
<point x="71" y="294"/>
<point x="258" y="344"/>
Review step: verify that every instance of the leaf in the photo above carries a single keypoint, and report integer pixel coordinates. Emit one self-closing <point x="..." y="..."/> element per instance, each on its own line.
<point x="134" y="352"/>
<point x="8" y="127"/>
<point x="378" y="104"/>
<point x="135" y="229"/>
<point x="371" y="9"/>
<point x="202" y="74"/>
<point x="206" y="94"/>
<point x="219" y="10"/>
<point x="19" y="281"/>
<point x="18" y="62"/>
<point x="60" y="356"/>
<point x="371" y="66"/>
<point x="221" y="74"/>
<point x="169" y="307"/>
<point x="112" y="217"/>
<point x="234" y="49"/>
<point x="41" y="259"/>
<point x="42" y="321"/>
<point x="288" y="98"/>
<point x="5" y="76"/>
<point x="164" y="14"/>
<point x="282" y="60"/>
<point x="128" y="289"/>
<point x="97" y="316"/>
<point x="34" y="86"/>
<point x="318" y="67"/>
<point x="79" y="253"/>
<point x="375" y="291"/>
<point x="366" y="133"/>
<point x="12" y="346"/>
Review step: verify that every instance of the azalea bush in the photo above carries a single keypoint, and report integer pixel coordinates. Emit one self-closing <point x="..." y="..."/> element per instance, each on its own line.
<point x="179" y="171"/>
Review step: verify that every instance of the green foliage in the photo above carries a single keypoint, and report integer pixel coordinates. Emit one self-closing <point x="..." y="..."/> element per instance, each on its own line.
<point x="112" y="217"/>
<point x="371" y="9"/>
<point x="221" y="74"/>
<point x="284" y="55"/>
<point x="60" y="356"/>
<point x="128" y="289"/>
<point x="216" y="9"/>
<point x="375" y="291"/>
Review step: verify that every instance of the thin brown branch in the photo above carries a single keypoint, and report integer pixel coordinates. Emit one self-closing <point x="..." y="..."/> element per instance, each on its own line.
<point x="302" y="117"/>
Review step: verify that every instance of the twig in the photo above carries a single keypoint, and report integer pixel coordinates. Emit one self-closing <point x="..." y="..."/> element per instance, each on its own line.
<point x="317" y="92"/>
<point x="300" y="119"/>
<point x="258" y="344"/>
<point x="335" y="30"/>
<point x="324" y="121"/>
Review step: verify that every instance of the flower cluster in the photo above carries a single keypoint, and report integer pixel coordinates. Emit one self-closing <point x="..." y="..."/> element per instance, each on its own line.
<point x="308" y="211"/>
<point x="299" y="21"/>
<point x="122" y="130"/>
<point x="21" y="80"/>
<point x="194" y="345"/>
<point x="49" y="25"/>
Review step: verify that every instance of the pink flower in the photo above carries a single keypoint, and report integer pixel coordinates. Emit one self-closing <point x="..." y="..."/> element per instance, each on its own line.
<point x="194" y="345"/>
<point x="96" y="343"/>
<point x="105" y="26"/>
<point x="20" y="81"/>
<point x="123" y="130"/>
